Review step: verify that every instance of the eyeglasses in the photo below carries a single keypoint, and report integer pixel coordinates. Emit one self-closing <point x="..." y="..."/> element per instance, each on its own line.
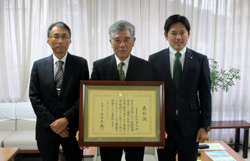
<point x="57" y="37"/>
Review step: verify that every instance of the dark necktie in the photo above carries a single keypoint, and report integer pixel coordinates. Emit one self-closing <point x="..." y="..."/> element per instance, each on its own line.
<point x="177" y="70"/>
<point x="59" y="76"/>
<point x="120" y="71"/>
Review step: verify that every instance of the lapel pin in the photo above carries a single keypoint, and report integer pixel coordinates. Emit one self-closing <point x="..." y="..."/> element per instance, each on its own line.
<point x="191" y="57"/>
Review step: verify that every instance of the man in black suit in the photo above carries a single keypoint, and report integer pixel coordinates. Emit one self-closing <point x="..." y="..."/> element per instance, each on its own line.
<point x="187" y="92"/>
<point x="135" y="69"/>
<point x="54" y="94"/>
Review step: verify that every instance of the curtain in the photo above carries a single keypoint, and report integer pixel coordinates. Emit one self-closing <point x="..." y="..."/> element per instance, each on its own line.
<point x="219" y="29"/>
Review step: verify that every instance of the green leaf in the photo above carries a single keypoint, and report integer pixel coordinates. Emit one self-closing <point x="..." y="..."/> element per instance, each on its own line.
<point x="222" y="79"/>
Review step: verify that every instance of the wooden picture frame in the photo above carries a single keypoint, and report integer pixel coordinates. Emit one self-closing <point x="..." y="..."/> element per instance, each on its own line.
<point x="122" y="113"/>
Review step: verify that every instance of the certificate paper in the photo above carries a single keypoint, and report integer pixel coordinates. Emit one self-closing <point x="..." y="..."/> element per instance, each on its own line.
<point x="122" y="113"/>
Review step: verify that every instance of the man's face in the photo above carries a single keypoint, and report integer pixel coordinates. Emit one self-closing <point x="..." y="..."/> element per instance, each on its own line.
<point x="122" y="44"/>
<point x="59" y="41"/>
<point x="177" y="36"/>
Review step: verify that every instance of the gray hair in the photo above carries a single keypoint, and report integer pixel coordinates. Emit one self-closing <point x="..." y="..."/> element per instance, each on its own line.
<point x="120" y="26"/>
<point x="58" y="24"/>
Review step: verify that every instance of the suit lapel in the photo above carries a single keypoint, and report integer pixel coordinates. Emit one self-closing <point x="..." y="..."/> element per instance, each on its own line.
<point x="69" y="66"/>
<point x="189" y="58"/>
<point x="49" y="73"/>
<point x="112" y="68"/>
<point x="130" y="72"/>
<point x="166" y="65"/>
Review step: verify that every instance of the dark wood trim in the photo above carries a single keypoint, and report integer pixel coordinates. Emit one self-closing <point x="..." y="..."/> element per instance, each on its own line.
<point x="237" y="125"/>
<point x="83" y="85"/>
<point x="229" y="124"/>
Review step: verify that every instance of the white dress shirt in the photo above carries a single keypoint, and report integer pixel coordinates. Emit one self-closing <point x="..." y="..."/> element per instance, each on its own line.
<point x="172" y="58"/>
<point x="125" y="67"/>
<point x="55" y="59"/>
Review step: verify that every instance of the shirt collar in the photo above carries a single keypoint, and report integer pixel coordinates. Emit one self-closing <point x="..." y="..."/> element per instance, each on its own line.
<point x="63" y="59"/>
<point x="126" y="61"/>
<point x="182" y="51"/>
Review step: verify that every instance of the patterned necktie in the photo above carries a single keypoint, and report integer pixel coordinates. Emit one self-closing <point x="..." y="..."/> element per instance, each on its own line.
<point x="177" y="70"/>
<point x="120" y="71"/>
<point x="59" y="76"/>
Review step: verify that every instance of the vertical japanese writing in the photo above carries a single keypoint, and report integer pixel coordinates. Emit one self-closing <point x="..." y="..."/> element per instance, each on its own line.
<point x="116" y="114"/>
<point x="120" y="115"/>
<point x="132" y="116"/>
<point x="101" y="116"/>
<point x="136" y="120"/>
<point x="144" y="113"/>
<point x="107" y="110"/>
<point x="128" y="116"/>
<point x="112" y="113"/>
<point x="124" y="115"/>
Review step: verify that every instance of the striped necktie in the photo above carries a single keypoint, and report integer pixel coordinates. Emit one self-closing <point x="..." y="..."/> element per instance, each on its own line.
<point x="59" y="76"/>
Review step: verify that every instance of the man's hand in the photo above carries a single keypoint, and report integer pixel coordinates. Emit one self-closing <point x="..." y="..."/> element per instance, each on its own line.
<point x="64" y="133"/>
<point x="77" y="136"/>
<point x="59" y="126"/>
<point x="202" y="135"/>
<point x="77" y="139"/>
<point x="166" y="136"/>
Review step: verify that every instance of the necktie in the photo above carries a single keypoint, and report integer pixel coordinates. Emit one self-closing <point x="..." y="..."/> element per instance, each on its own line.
<point x="177" y="70"/>
<point x="120" y="71"/>
<point x="59" y="76"/>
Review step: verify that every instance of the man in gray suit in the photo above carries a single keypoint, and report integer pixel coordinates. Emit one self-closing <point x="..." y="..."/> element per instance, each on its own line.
<point x="122" y="38"/>
<point x="187" y="92"/>
<point x="54" y="95"/>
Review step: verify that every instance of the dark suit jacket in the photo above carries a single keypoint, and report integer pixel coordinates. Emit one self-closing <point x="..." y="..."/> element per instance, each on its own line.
<point x="106" y="69"/>
<point x="195" y="79"/>
<point x="47" y="105"/>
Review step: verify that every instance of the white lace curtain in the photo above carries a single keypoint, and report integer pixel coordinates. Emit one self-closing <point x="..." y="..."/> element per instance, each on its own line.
<point x="219" y="29"/>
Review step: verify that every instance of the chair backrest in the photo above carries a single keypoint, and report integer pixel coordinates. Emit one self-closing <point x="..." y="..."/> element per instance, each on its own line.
<point x="7" y="116"/>
<point x="26" y="118"/>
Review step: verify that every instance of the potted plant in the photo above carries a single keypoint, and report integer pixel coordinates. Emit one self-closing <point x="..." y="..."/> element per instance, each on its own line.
<point x="222" y="78"/>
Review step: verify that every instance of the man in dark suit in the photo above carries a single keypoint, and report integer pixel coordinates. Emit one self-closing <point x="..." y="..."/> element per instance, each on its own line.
<point x="54" y="94"/>
<point x="187" y="92"/>
<point x="135" y="69"/>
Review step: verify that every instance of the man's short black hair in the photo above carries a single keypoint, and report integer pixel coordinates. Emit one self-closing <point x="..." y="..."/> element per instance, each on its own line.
<point x="175" y="19"/>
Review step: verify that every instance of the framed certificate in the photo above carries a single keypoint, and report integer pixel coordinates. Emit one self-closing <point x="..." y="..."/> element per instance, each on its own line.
<point x="121" y="113"/>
